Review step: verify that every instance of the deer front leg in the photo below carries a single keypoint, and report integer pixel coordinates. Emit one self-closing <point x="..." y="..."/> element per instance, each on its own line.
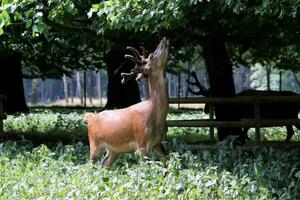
<point x="94" y="151"/>
<point x="109" y="158"/>
<point x="143" y="153"/>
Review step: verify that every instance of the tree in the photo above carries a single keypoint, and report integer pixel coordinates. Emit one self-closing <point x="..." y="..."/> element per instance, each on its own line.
<point x="54" y="39"/>
<point x="264" y="35"/>
<point x="268" y="33"/>
<point x="11" y="84"/>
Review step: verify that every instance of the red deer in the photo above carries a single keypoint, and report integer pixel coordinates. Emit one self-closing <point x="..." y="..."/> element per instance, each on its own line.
<point x="141" y="126"/>
<point x="267" y="110"/>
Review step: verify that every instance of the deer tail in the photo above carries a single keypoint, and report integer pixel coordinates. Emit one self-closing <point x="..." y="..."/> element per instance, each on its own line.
<point x="88" y="115"/>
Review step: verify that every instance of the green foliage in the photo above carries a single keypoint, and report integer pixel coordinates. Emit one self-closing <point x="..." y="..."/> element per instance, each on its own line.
<point x="63" y="171"/>
<point x="52" y="36"/>
<point x="47" y="123"/>
<point x="39" y="29"/>
<point x="59" y="171"/>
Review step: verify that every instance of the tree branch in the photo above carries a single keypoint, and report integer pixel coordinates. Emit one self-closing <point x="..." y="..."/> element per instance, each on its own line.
<point x="296" y="79"/>
<point x="65" y="27"/>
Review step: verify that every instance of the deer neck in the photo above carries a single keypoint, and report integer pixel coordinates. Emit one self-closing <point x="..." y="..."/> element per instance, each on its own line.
<point x="159" y="95"/>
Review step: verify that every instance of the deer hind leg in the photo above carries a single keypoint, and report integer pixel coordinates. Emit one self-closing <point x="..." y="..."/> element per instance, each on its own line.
<point x="159" y="148"/>
<point x="94" y="151"/>
<point x="290" y="132"/>
<point x="109" y="158"/>
<point x="144" y="153"/>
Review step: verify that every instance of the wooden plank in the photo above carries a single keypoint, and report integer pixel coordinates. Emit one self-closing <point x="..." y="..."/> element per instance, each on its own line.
<point x="248" y="146"/>
<point x="242" y="123"/>
<point x="208" y="123"/>
<point x="213" y="100"/>
<point x="257" y="121"/>
<point x="279" y="122"/>
<point x="278" y="99"/>
<point x="230" y="100"/>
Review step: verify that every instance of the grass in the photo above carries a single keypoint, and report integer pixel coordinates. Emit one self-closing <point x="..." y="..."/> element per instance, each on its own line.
<point x="63" y="172"/>
<point x="58" y="171"/>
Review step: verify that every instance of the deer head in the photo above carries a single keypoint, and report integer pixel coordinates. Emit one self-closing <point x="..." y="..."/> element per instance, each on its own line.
<point x="147" y="66"/>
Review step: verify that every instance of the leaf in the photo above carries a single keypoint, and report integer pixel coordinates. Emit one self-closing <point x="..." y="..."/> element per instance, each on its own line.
<point x="17" y="16"/>
<point x="95" y="7"/>
<point x="210" y="183"/>
<point x="5" y="18"/>
<point x="90" y="13"/>
<point x="297" y="175"/>
<point x="38" y="28"/>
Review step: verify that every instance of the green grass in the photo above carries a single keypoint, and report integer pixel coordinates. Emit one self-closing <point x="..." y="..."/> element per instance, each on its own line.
<point x="63" y="172"/>
<point x="57" y="171"/>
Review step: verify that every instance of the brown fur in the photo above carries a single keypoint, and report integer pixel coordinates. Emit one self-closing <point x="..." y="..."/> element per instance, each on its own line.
<point x="139" y="127"/>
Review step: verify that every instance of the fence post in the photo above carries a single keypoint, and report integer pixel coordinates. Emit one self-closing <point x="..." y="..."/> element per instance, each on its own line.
<point x="211" y="118"/>
<point x="257" y="121"/>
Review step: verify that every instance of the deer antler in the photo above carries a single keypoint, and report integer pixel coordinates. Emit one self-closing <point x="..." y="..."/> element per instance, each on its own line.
<point x="138" y="70"/>
<point x="135" y="53"/>
<point x="127" y="77"/>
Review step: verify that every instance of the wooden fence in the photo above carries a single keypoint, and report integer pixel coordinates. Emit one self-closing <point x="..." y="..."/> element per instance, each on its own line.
<point x="256" y="122"/>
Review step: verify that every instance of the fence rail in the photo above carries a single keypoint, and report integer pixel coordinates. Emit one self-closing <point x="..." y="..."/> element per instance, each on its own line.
<point x="230" y="100"/>
<point x="255" y="122"/>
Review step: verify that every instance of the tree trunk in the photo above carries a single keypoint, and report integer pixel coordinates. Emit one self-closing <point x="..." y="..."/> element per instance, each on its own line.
<point x="42" y="91"/>
<point x="84" y="88"/>
<point x="65" y="81"/>
<point x="280" y="81"/>
<point x="219" y="71"/>
<point x="71" y="90"/>
<point x="120" y="95"/>
<point x="296" y="79"/>
<point x="169" y="84"/>
<point x="179" y="85"/>
<point x="11" y="83"/>
<point x="78" y="88"/>
<point x="268" y="73"/>
<point x="34" y="87"/>
<point x="174" y="85"/>
<point x="90" y="87"/>
<point x="99" y="88"/>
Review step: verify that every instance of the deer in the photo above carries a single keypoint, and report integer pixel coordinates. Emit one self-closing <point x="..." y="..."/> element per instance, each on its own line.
<point x="267" y="110"/>
<point x="142" y="126"/>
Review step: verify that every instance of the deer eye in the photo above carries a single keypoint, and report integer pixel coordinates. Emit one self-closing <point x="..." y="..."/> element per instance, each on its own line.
<point x="151" y="56"/>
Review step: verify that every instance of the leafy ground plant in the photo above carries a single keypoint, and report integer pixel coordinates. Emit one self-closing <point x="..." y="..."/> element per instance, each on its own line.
<point x="60" y="171"/>
<point x="63" y="172"/>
